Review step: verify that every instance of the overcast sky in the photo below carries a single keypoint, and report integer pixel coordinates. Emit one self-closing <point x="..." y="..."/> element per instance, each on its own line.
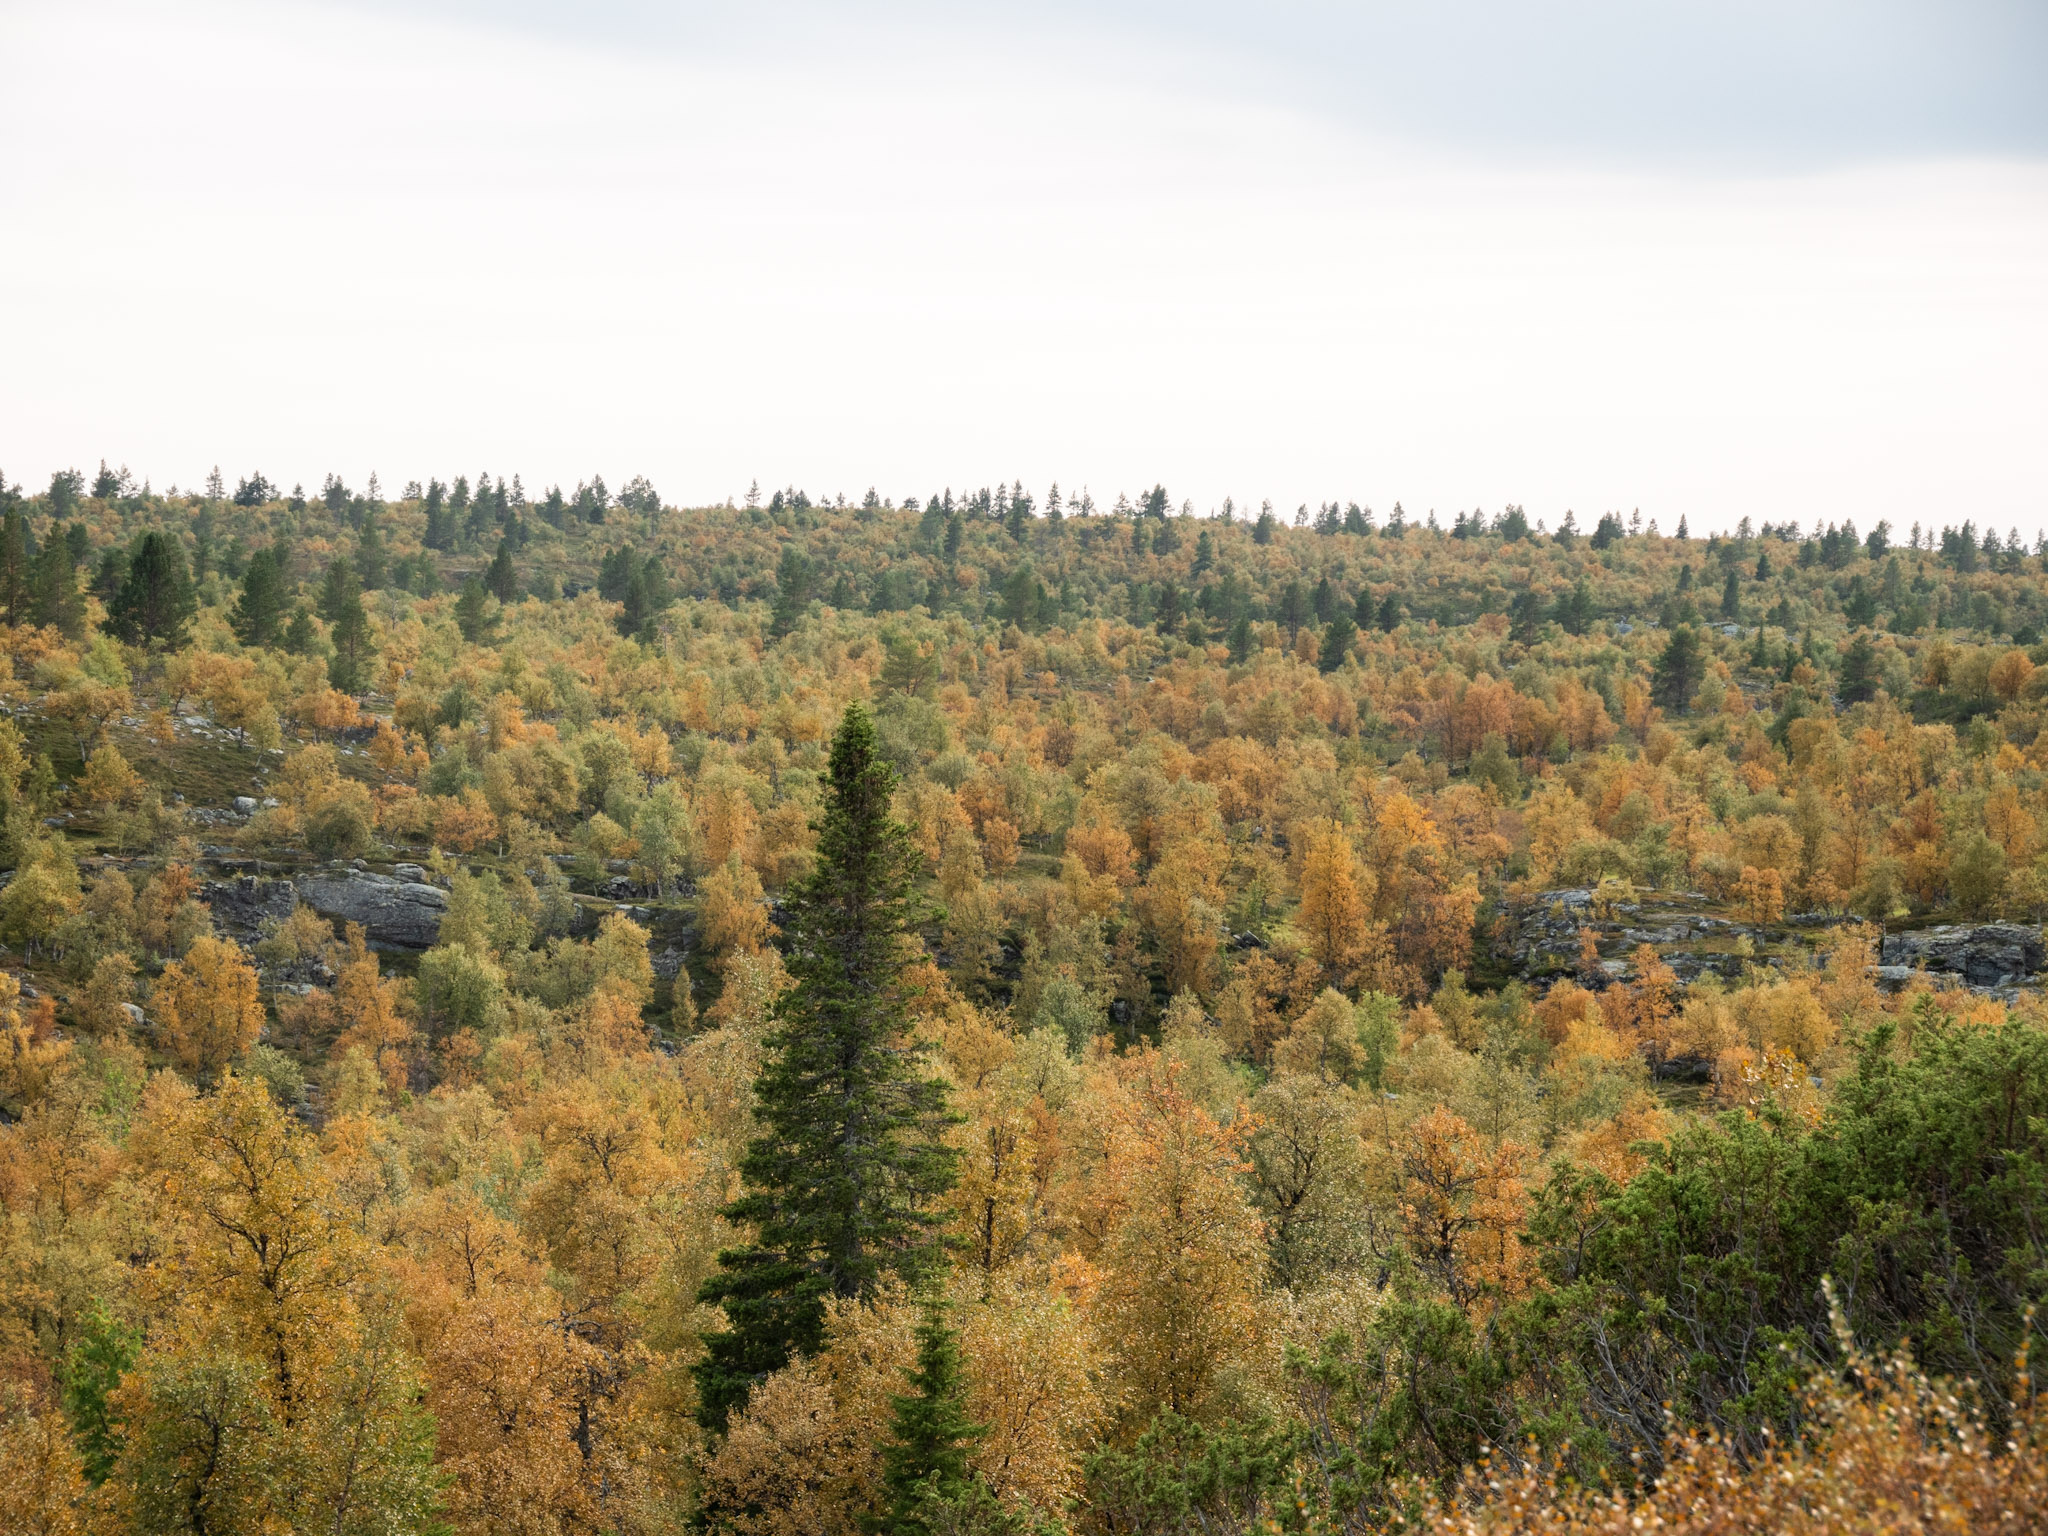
<point x="1784" y="259"/>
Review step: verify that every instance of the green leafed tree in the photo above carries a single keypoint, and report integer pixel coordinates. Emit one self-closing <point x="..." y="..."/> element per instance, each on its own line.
<point x="842" y="1181"/>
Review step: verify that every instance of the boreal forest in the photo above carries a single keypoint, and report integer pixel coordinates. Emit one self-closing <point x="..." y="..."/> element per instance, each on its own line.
<point x="545" y="1011"/>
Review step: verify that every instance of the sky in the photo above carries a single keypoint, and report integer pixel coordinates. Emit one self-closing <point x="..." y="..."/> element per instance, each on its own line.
<point x="1782" y="260"/>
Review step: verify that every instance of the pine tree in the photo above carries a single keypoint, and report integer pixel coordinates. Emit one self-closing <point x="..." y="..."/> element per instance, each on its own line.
<point x="1679" y="670"/>
<point x="1241" y="639"/>
<point x="14" y="567"/>
<point x="259" y="612"/>
<point x="842" y="1180"/>
<point x="793" y="591"/>
<point x="1858" y="682"/>
<point x="1731" y="597"/>
<point x="437" y="535"/>
<point x="348" y="628"/>
<point x="1337" y="638"/>
<point x="929" y="1432"/>
<point x="502" y="579"/>
<point x="54" y="598"/>
<point x="471" y="617"/>
<point x="299" y="635"/>
<point x="155" y="601"/>
<point x="370" y="554"/>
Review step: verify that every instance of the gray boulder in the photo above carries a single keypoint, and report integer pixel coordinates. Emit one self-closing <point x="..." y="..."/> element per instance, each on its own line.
<point x="405" y="914"/>
<point x="1984" y="954"/>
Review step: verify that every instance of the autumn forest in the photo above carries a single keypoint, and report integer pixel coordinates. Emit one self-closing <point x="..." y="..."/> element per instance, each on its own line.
<point x="985" y="1013"/>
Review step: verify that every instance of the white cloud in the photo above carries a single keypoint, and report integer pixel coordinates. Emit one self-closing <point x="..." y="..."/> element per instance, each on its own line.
<point x="299" y="239"/>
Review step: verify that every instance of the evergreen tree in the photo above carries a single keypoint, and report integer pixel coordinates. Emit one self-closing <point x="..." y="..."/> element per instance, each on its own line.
<point x="502" y="579"/>
<point x="14" y="564"/>
<point x="1574" y="613"/>
<point x="647" y="595"/>
<point x="300" y="638"/>
<point x="842" y="1181"/>
<point x="1679" y="670"/>
<point x="370" y="554"/>
<point x="1241" y="639"/>
<point x="1262" y="530"/>
<point x="1731" y="597"/>
<point x="109" y="574"/>
<point x="471" y="616"/>
<point x="792" y="591"/>
<point x="925" y="1458"/>
<point x="348" y="628"/>
<point x="1525" y="617"/>
<point x="1337" y="637"/>
<point x="155" y="602"/>
<point x="1390" y="613"/>
<point x="437" y="535"/>
<point x="54" y="598"/>
<point x="259" y="612"/>
<point x="1858" y="683"/>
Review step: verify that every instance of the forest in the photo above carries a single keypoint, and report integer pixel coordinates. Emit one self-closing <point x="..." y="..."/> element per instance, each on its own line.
<point x="982" y="1014"/>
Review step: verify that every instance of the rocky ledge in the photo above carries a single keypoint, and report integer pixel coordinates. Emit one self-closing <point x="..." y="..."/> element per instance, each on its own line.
<point x="404" y="914"/>
<point x="1539" y="937"/>
<point x="1983" y="955"/>
<point x="396" y="913"/>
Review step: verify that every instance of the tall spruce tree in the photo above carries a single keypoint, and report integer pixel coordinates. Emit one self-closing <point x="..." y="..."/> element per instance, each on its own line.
<point x="54" y="598"/>
<point x="1680" y="670"/>
<point x="842" y="1182"/>
<point x="501" y="579"/>
<point x="155" y="601"/>
<point x="370" y="554"/>
<point x="258" y="615"/>
<point x="925" y="1460"/>
<point x="348" y="628"/>
<point x="793" y="578"/>
<point x="14" y="566"/>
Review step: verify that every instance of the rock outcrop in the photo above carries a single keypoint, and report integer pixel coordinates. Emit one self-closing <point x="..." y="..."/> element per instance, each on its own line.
<point x="242" y="907"/>
<point x="1983" y="955"/>
<point x="405" y="914"/>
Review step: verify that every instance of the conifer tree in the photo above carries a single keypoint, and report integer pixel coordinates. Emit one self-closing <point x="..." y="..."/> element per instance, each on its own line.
<point x="437" y="535"/>
<point x="841" y="1184"/>
<point x="1679" y="670"/>
<point x="1337" y="637"/>
<point x="155" y="601"/>
<point x="370" y="554"/>
<point x="54" y="598"/>
<point x="14" y="566"/>
<point x="925" y="1459"/>
<point x="299" y="635"/>
<point x="259" y="612"/>
<point x="793" y="577"/>
<point x="502" y="579"/>
<point x="471" y="616"/>
<point x="348" y="628"/>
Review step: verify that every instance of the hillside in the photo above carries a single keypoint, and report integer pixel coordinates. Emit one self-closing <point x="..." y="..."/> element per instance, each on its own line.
<point x="1403" y="986"/>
